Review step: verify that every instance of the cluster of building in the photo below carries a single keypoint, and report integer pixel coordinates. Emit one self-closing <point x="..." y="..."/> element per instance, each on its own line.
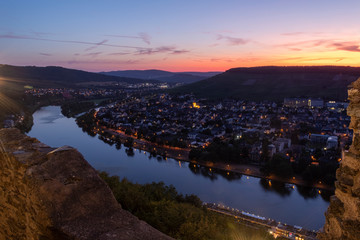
<point x="13" y="120"/>
<point x="68" y="92"/>
<point x="114" y="90"/>
<point x="315" y="103"/>
<point x="185" y="121"/>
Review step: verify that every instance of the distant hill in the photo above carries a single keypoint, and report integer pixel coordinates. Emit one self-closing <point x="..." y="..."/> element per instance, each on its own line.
<point x="276" y="83"/>
<point x="13" y="79"/>
<point x="202" y="74"/>
<point x="163" y="76"/>
<point x="58" y="76"/>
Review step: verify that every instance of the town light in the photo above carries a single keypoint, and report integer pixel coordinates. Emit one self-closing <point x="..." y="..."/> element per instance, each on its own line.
<point x="195" y="105"/>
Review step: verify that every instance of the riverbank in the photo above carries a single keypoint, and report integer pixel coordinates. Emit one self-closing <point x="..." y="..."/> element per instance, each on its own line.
<point x="277" y="229"/>
<point x="182" y="154"/>
<point x="250" y="194"/>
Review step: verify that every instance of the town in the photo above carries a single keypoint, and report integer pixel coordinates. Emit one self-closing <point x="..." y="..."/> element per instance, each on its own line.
<point x="299" y="136"/>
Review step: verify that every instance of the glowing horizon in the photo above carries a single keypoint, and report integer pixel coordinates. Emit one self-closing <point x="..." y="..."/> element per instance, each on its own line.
<point x="179" y="36"/>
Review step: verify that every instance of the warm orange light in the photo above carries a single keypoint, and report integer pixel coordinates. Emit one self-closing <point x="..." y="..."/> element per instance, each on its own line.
<point x="195" y="105"/>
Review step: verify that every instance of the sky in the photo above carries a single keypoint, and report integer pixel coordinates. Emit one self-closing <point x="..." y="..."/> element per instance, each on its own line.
<point x="197" y="35"/>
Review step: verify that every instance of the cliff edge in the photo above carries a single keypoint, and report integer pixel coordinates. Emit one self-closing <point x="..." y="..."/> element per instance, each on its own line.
<point x="343" y="214"/>
<point x="48" y="193"/>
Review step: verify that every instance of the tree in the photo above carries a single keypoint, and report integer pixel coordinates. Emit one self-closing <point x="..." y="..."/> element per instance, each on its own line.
<point x="118" y="146"/>
<point x="207" y="132"/>
<point x="245" y="152"/>
<point x="129" y="142"/>
<point x="195" y="153"/>
<point x="275" y="123"/>
<point x="264" y="157"/>
<point x="281" y="166"/>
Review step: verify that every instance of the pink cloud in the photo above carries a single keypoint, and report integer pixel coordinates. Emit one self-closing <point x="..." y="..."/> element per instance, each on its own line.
<point x="118" y="54"/>
<point x="233" y="41"/>
<point x="45" y="54"/>
<point x="102" y="43"/>
<point x="180" y="51"/>
<point x="94" y="54"/>
<point x="162" y="49"/>
<point x="347" y="46"/>
<point x="143" y="36"/>
<point x="351" y="46"/>
<point x="96" y="45"/>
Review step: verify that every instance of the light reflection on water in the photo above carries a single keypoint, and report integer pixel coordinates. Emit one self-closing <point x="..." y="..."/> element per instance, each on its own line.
<point x="281" y="201"/>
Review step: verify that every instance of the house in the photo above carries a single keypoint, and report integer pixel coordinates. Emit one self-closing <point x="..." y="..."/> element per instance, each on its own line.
<point x="316" y="103"/>
<point x="332" y="142"/>
<point x="192" y="135"/>
<point x="279" y="146"/>
<point x="271" y="149"/>
<point x="318" y="138"/>
<point x="286" y="141"/>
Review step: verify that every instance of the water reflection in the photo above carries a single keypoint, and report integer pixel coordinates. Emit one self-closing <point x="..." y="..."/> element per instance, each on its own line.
<point x="118" y="146"/>
<point x="212" y="173"/>
<point x="130" y="152"/>
<point x="208" y="172"/>
<point x="283" y="189"/>
<point x="280" y="188"/>
<point x="195" y="169"/>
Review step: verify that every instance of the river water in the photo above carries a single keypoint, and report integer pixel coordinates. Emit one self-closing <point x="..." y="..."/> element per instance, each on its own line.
<point x="286" y="203"/>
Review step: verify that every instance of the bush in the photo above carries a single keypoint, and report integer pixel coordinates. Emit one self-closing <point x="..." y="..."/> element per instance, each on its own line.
<point x="175" y="215"/>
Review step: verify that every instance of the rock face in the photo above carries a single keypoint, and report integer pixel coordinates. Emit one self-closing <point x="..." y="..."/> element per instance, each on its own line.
<point x="48" y="193"/>
<point x="343" y="214"/>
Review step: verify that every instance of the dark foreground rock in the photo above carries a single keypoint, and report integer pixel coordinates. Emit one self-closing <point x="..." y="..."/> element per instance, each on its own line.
<point x="343" y="214"/>
<point x="48" y="193"/>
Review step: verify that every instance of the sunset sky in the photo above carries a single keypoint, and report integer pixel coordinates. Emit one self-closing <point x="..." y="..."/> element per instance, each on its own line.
<point x="195" y="35"/>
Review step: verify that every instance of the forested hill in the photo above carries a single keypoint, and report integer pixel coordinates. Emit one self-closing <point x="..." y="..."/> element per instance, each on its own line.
<point x="57" y="76"/>
<point x="276" y="83"/>
<point x="164" y="76"/>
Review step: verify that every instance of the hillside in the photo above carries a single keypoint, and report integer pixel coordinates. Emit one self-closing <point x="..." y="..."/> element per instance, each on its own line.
<point x="56" y="76"/>
<point x="276" y="83"/>
<point x="13" y="80"/>
<point x="163" y="76"/>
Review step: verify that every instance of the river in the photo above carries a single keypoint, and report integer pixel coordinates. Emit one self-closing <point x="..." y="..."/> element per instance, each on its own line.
<point x="286" y="203"/>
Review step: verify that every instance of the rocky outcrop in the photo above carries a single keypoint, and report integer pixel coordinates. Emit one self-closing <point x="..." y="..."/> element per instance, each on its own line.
<point x="343" y="214"/>
<point x="48" y="193"/>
